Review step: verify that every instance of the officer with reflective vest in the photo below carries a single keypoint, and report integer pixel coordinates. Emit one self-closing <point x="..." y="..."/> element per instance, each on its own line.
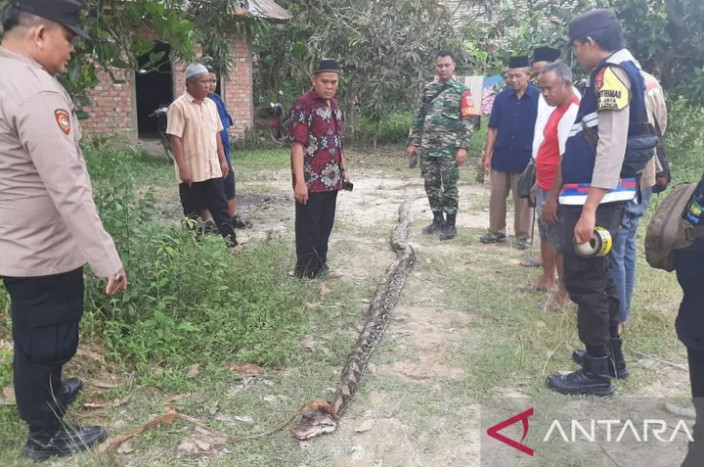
<point x="609" y="145"/>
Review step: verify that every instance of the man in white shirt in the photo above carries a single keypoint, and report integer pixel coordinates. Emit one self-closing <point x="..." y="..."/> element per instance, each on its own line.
<point x="557" y="90"/>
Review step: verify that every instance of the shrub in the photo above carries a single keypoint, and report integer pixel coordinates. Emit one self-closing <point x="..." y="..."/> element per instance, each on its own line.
<point x="684" y="139"/>
<point x="189" y="298"/>
<point x="392" y="130"/>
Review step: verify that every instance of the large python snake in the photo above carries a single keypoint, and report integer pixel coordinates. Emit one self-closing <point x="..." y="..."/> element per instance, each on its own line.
<point x="324" y="417"/>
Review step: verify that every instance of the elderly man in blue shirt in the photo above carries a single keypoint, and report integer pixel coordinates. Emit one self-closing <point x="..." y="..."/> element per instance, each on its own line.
<point x="508" y="148"/>
<point x="227" y="122"/>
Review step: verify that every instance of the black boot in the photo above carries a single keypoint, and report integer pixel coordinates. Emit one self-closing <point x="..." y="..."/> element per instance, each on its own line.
<point x="617" y="364"/>
<point x="62" y="441"/>
<point x="436" y="225"/>
<point x="68" y="393"/>
<point x="448" y="230"/>
<point x="593" y="379"/>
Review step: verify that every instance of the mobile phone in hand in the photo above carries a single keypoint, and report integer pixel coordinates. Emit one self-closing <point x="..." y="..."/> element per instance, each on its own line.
<point x="347" y="186"/>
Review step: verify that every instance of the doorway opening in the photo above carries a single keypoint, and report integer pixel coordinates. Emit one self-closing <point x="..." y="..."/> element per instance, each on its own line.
<point x="153" y="88"/>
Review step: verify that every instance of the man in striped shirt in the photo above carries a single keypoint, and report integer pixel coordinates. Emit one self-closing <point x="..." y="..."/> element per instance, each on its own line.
<point x="194" y="128"/>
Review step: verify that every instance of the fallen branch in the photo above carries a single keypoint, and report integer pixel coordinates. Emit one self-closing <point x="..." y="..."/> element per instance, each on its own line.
<point x="172" y="414"/>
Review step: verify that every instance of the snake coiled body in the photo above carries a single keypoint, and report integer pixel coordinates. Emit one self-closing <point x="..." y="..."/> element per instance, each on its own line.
<point x="318" y="421"/>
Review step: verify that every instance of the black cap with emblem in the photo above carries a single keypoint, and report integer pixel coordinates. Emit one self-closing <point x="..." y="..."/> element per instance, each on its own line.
<point x="65" y="12"/>
<point x="327" y="66"/>
<point x="599" y="19"/>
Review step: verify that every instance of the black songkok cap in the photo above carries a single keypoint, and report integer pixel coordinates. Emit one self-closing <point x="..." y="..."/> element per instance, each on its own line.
<point x="518" y="62"/>
<point x="599" y="19"/>
<point x="327" y="66"/>
<point x="545" y="54"/>
<point x="64" y="12"/>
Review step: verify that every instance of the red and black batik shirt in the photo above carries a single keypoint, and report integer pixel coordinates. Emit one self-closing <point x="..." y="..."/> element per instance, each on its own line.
<point x="318" y="127"/>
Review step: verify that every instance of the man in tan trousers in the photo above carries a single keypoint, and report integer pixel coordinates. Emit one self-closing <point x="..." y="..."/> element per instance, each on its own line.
<point x="508" y="148"/>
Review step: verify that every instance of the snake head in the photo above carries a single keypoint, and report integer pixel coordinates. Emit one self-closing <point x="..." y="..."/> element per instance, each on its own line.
<point x="314" y="423"/>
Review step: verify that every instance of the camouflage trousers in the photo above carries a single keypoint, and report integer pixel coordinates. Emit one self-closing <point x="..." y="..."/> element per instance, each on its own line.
<point x="441" y="174"/>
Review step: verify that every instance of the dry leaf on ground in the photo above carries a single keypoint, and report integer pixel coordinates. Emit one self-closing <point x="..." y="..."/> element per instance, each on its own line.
<point x="365" y="426"/>
<point x="103" y="385"/>
<point x="245" y="369"/>
<point x="101" y="405"/>
<point x="8" y="396"/>
<point x="194" y="370"/>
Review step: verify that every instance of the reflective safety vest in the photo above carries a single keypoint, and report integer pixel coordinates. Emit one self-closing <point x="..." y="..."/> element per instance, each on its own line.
<point x="580" y="149"/>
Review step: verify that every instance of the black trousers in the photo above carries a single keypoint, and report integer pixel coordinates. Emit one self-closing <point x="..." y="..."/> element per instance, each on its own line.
<point x="689" y="265"/>
<point x="46" y="312"/>
<point x="589" y="282"/>
<point x="209" y="194"/>
<point x="314" y="221"/>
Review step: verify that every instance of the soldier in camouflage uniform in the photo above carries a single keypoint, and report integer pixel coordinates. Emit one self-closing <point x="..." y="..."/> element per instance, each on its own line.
<point x="441" y="131"/>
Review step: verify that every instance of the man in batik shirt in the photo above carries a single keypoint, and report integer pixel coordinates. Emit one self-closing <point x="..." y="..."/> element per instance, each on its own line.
<point x="318" y="168"/>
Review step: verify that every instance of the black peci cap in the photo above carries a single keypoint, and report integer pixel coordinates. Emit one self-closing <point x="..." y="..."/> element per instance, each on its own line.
<point x="65" y="12"/>
<point x="327" y="66"/>
<point x="599" y="19"/>
<point x="518" y="62"/>
<point x="545" y="54"/>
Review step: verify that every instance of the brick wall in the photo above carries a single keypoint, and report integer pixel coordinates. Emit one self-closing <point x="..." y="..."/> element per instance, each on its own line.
<point x="237" y="89"/>
<point x="115" y="109"/>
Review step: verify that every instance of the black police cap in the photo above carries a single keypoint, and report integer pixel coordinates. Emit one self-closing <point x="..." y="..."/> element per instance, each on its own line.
<point x="545" y="54"/>
<point x="64" y="12"/>
<point x="327" y="66"/>
<point x="599" y="19"/>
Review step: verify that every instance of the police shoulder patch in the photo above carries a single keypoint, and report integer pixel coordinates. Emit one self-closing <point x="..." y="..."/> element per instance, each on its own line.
<point x="612" y="93"/>
<point x="63" y="119"/>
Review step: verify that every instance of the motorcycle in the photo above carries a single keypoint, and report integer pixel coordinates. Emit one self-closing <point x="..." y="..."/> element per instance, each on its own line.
<point x="278" y="127"/>
<point x="160" y="116"/>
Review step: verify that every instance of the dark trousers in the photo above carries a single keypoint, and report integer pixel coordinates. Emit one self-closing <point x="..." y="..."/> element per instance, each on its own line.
<point x="689" y="265"/>
<point x="46" y="312"/>
<point x="314" y="221"/>
<point x="695" y="454"/>
<point x="589" y="282"/>
<point x="210" y="195"/>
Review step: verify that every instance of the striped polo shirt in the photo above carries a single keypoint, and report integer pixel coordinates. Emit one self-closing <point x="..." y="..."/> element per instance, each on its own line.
<point x="198" y="124"/>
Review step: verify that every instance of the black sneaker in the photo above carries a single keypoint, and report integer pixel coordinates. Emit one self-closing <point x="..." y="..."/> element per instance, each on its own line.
<point x="492" y="238"/>
<point x="238" y="223"/>
<point x="62" y="442"/>
<point x="208" y="228"/>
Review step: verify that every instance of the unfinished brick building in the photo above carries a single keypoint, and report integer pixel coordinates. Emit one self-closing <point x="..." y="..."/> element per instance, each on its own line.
<point x="124" y="109"/>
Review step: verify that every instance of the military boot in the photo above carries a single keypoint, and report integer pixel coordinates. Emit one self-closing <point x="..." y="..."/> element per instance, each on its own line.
<point x="436" y="225"/>
<point x="448" y="230"/>
<point x="617" y="362"/>
<point x="593" y="379"/>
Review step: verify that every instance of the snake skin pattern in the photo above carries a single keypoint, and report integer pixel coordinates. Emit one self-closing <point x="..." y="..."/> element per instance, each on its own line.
<point x="317" y="422"/>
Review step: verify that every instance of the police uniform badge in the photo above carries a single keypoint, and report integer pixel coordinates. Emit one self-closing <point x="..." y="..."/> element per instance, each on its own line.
<point x="63" y="119"/>
<point x="612" y="93"/>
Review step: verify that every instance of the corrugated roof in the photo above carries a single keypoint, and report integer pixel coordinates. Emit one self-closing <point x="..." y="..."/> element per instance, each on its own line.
<point x="269" y="10"/>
